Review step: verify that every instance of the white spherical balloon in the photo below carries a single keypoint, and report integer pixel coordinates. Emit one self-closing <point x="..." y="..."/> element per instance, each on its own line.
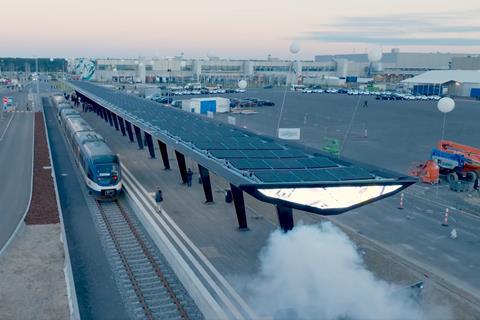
<point x="295" y="47"/>
<point x="446" y="104"/>
<point x="375" y="54"/>
<point x="242" y="84"/>
<point x="51" y="59"/>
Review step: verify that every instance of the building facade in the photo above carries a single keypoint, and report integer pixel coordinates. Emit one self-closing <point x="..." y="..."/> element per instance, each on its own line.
<point x="466" y="63"/>
<point x="394" y="67"/>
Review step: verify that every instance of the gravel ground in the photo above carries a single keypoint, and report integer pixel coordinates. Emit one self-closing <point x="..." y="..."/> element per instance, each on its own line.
<point x="43" y="209"/>
<point x="32" y="282"/>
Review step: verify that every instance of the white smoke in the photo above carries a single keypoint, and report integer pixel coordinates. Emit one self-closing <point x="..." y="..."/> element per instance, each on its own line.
<point x="315" y="272"/>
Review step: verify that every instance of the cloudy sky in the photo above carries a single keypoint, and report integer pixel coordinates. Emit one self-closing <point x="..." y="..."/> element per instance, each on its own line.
<point x="236" y="29"/>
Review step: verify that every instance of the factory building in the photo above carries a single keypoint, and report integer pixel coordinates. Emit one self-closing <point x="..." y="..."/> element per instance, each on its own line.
<point x="466" y="63"/>
<point x="213" y="71"/>
<point x="394" y="66"/>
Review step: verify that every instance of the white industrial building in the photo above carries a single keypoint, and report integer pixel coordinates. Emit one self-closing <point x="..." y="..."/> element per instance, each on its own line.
<point x="466" y="63"/>
<point x="394" y="67"/>
<point x="213" y="70"/>
<point x="461" y="83"/>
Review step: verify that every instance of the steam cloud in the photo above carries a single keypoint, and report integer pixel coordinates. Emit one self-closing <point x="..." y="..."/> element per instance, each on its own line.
<point x="315" y="272"/>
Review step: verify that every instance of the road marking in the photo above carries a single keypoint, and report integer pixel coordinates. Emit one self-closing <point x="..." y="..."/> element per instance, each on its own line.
<point x="6" y="128"/>
<point x="440" y="204"/>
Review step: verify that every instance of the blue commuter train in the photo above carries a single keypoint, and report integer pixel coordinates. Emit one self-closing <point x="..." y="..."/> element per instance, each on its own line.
<point x="99" y="166"/>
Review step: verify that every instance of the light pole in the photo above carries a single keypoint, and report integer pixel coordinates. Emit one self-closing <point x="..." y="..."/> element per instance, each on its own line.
<point x="38" y="86"/>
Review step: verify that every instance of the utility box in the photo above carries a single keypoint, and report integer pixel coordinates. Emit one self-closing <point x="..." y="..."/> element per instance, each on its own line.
<point x="204" y="105"/>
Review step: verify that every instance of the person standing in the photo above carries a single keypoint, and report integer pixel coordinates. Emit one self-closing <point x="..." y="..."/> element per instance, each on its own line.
<point x="365" y="104"/>
<point x="189" y="177"/>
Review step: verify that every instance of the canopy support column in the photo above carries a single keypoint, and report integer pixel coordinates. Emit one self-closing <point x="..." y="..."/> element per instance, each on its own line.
<point x="239" y="203"/>
<point x="207" y="186"/>
<point x="182" y="166"/>
<point x="164" y="152"/>
<point x="285" y="217"/>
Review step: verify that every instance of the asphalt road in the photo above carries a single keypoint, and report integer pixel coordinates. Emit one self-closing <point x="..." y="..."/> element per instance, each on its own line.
<point x="16" y="148"/>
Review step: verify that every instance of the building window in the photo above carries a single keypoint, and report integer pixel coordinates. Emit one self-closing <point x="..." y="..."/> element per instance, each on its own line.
<point x="271" y="68"/>
<point x="318" y="68"/>
<point x="208" y="68"/>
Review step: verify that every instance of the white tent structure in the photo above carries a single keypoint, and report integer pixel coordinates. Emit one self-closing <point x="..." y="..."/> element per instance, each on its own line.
<point x="464" y="83"/>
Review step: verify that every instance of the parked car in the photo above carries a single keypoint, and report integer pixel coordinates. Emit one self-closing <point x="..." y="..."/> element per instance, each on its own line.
<point x="165" y="100"/>
<point x="177" y="104"/>
<point x="262" y="102"/>
<point x="246" y="103"/>
<point x="234" y="103"/>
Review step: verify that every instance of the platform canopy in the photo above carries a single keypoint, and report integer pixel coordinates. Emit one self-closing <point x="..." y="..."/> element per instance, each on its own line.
<point x="271" y="170"/>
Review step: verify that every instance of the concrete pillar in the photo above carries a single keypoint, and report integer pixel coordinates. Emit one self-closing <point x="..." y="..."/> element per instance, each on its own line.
<point x="105" y="116"/>
<point x="115" y="121"/>
<point x="110" y="118"/>
<point x="138" y="135"/>
<point x="164" y="153"/>
<point x="207" y="186"/>
<point x="128" y="126"/>
<point x="149" y="140"/>
<point x="239" y="203"/>
<point x="121" y="124"/>
<point x="182" y="166"/>
<point x="285" y="217"/>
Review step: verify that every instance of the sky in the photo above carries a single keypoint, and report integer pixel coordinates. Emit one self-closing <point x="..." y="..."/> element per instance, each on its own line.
<point x="235" y="29"/>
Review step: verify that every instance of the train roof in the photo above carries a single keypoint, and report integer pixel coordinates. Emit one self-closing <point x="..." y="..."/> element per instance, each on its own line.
<point x="64" y="105"/>
<point x="97" y="148"/>
<point x="78" y="124"/>
<point x="88" y="136"/>
<point x="67" y="111"/>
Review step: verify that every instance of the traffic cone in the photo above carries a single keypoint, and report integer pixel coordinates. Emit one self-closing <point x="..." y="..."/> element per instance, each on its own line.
<point x="445" y="219"/>
<point x="400" y="205"/>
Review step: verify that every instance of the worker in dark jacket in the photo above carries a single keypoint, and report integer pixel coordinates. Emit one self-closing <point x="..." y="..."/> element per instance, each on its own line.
<point x="189" y="177"/>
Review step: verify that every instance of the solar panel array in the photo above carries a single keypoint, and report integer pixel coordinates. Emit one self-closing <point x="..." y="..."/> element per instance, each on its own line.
<point x="264" y="159"/>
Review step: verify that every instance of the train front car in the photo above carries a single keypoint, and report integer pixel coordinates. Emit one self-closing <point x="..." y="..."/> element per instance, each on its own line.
<point x="101" y="169"/>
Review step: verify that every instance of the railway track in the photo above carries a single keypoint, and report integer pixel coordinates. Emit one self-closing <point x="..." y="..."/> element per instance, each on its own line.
<point x="152" y="284"/>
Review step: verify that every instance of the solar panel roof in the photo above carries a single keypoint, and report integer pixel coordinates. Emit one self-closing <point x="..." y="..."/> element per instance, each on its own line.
<point x="240" y="156"/>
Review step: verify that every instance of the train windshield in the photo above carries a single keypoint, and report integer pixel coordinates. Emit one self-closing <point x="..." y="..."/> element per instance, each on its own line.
<point x="107" y="167"/>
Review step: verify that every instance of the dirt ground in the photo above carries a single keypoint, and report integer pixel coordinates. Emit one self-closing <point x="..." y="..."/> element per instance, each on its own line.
<point x="32" y="280"/>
